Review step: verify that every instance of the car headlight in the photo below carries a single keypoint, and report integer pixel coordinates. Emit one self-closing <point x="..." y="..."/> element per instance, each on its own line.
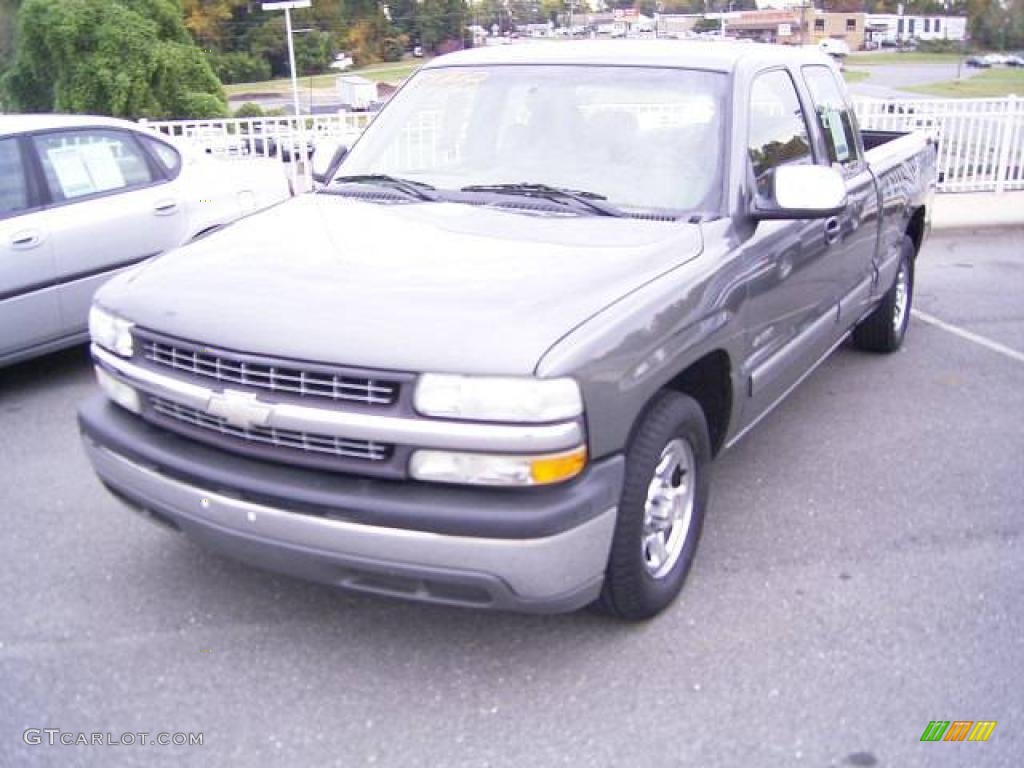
<point x="110" y="332"/>
<point x="497" y="398"/>
<point x="497" y="469"/>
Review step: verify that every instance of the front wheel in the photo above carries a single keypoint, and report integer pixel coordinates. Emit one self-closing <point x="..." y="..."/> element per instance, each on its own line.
<point x="661" y="512"/>
<point x="883" y="330"/>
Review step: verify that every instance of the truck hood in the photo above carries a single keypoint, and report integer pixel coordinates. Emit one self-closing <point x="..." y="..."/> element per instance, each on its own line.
<point x="443" y="287"/>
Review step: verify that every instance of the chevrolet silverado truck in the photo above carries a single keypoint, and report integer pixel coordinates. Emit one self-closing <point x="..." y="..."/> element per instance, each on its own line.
<point x="491" y="362"/>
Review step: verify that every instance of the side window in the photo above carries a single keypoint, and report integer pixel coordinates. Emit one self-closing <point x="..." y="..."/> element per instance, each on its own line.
<point x="778" y="130"/>
<point x="834" y="115"/>
<point x="13" y="180"/>
<point x="91" y="161"/>
<point x="165" y="154"/>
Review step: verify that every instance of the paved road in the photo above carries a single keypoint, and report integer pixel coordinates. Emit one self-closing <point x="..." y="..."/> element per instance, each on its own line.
<point x="887" y="81"/>
<point x="860" y="575"/>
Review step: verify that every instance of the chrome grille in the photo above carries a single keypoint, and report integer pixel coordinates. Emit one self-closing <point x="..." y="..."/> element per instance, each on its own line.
<point x="282" y="438"/>
<point x="274" y="378"/>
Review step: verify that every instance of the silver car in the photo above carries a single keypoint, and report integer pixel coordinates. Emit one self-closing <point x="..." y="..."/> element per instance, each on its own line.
<point x="83" y="198"/>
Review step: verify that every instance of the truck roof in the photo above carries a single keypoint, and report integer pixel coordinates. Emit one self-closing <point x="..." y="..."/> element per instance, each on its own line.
<point x="689" y="54"/>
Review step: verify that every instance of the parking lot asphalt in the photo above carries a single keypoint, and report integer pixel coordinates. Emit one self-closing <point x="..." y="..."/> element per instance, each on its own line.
<point x="860" y="575"/>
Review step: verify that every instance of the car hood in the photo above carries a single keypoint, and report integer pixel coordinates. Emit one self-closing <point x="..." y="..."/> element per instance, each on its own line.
<point x="443" y="287"/>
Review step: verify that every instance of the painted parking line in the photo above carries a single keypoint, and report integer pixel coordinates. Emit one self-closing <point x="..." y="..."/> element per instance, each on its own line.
<point x="995" y="346"/>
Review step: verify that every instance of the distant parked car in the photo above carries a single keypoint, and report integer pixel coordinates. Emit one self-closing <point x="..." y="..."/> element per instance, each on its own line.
<point x="995" y="58"/>
<point x="341" y="62"/>
<point x="1015" y="61"/>
<point x="978" y="62"/>
<point x="286" y="145"/>
<point x="83" y="198"/>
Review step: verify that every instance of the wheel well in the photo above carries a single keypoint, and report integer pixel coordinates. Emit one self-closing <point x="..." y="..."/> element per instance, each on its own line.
<point x="915" y="228"/>
<point x="708" y="381"/>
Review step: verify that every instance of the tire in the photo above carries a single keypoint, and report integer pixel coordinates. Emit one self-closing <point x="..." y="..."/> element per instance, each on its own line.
<point x="884" y="329"/>
<point x="672" y="433"/>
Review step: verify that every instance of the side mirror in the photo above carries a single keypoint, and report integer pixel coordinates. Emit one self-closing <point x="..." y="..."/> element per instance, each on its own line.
<point x="802" y="192"/>
<point x="327" y="156"/>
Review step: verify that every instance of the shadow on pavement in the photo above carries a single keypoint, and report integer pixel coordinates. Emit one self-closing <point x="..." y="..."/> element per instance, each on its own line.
<point x="53" y="370"/>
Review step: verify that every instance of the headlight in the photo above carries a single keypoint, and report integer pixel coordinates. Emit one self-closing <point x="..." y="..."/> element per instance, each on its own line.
<point x="494" y="398"/>
<point x="118" y="391"/>
<point x="497" y="469"/>
<point x="112" y="333"/>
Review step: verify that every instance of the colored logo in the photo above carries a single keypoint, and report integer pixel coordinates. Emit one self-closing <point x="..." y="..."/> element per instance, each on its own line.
<point x="958" y="730"/>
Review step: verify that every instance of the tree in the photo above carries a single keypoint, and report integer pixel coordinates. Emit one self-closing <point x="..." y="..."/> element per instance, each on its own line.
<point x="126" y="58"/>
<point x="205" y="19"/>
<point x="8" y="8"/>
<point x="995" y="24"/>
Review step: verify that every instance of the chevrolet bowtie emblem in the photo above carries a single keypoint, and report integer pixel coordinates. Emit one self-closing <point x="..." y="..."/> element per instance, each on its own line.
<point x="239" y="409"/>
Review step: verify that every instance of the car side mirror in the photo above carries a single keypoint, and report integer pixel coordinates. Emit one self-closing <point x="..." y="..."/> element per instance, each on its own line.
<point x="802" y="192"/>
<point x="327" y="157"/>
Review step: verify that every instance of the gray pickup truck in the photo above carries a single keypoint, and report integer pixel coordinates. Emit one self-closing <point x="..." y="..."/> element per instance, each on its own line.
<point x="490" y="364"/>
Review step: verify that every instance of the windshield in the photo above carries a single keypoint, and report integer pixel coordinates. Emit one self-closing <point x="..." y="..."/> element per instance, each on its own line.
<point x="641" y="138"/>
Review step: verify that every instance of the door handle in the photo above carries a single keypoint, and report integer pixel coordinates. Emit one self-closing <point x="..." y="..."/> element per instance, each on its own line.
<point x="165" y="207"/>
<point x="26" y="239"/>
<point x="833" y="229"/>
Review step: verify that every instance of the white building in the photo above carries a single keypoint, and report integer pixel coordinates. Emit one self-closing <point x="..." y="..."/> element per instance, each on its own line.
<point x="894" y="28"/>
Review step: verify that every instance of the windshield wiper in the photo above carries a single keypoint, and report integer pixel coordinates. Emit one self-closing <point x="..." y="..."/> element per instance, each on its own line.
<point x="589" y="200"/>
<point x="418" y="189"/>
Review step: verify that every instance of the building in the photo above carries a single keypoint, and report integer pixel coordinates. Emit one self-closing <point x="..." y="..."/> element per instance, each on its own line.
<point x="770" y="26"/>
<point x="851" y="28"/>
<point x="678" y="25"/>
<point x="893" y="28"/>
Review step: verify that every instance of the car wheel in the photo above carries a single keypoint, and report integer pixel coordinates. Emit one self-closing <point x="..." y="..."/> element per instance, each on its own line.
<point x="884" y="329"/>
<point x="661" y="512"/>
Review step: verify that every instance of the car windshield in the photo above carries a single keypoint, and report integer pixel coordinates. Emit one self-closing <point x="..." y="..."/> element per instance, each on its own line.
<point x="640" y="138"/>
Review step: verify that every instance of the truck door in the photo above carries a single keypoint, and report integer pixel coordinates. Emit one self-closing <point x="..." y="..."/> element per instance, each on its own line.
<point x="855" y="236"/>
<point x="793" y="279"/>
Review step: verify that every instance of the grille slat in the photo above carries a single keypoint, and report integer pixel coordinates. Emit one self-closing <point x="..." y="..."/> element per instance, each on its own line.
<point x="297" y="381"/>
<point x="281" y="438"/>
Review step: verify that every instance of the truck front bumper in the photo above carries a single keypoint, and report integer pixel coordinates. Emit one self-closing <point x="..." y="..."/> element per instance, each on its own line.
<point x="536" y="550"/>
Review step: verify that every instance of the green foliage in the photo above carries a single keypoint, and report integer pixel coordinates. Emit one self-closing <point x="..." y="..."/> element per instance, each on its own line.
<point x="127" y="58"/>
<point x="997" y="24"/>
<point x="249" y="109"/>
<point x="238" y="67"/>
<point x="7" y="13"/>
<point x="312" y="52"/>
<point x="940" y="46"/>
<point x="393" y="48"/>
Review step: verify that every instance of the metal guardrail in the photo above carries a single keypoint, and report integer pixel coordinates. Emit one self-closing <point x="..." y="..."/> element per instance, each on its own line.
<point x="981" y="141"/>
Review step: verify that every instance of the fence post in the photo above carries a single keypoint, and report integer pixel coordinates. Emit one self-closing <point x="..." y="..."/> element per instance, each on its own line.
<point x="1005" y="135"/>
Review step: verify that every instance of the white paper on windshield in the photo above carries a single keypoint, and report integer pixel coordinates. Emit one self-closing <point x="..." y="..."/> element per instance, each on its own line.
<point x="85" y="169"/>
<point x="835" y="127"/>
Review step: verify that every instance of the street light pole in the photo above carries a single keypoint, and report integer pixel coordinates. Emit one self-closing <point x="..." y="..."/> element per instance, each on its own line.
<point x="291" y="59"/>
<point x="286" y="6"/>
<point x="298" y="148"/>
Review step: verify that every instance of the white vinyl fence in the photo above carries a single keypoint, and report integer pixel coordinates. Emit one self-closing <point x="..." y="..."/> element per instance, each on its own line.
<point x="981" y="141"/>
<point x="282" y="138"/>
